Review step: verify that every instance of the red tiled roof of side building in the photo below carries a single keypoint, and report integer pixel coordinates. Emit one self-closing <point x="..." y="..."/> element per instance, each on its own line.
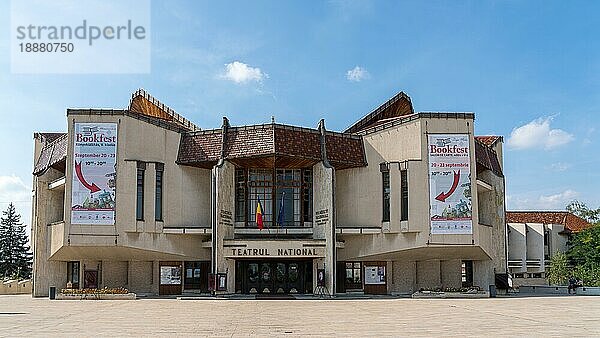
<point x="571" y="222"/>
<point x="488" y="140"/>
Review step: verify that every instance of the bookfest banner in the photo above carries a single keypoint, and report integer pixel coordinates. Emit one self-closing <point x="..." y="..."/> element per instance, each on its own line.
<point x="450" y="184"/>
<point x="94" y="173"/>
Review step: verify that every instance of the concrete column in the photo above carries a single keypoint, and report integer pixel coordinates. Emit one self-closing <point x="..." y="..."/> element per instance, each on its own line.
<point x="324" y="218"/>
<point x="223" y="201"/>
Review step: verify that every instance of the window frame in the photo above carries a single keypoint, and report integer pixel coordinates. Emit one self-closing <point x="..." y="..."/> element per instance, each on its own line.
<point x="301" y="183"/>
<point x="73" y="266"/>
<point x="404" y="199"/>
<point x="386" y="191"/>
<point x="159" y="191"/>
<point x="140" y="193"/>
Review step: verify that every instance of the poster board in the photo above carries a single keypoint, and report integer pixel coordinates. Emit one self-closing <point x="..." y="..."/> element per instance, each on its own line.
<point x="374" y="275"/>
<point x="94" y="173"/>
<point x="450" y="184"/>
<point x="170" y="275"/>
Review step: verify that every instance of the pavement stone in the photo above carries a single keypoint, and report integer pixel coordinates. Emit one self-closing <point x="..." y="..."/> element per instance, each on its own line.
<point x="576" y="316"/>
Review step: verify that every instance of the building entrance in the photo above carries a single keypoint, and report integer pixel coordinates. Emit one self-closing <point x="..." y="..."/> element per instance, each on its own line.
<point x="274" y="276"/>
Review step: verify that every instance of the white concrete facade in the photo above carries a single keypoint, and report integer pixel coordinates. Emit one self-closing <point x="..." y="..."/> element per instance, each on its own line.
<point x="198" y="228"/>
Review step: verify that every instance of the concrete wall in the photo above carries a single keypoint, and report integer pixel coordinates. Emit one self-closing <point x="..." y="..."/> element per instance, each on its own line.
<point x="323" y="219"/>
<point x="115" y="274"/>
<point x="451" y="273"/>
<point x="403" y="278"/>
<point x="223" y="217"/>
<point x="141" y="279"/>
<point x="429" y="274"/>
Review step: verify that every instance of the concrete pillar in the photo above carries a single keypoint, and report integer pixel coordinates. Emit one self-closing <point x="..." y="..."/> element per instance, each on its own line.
<point x="223" y="201"/>
<point x="324" y="218"/>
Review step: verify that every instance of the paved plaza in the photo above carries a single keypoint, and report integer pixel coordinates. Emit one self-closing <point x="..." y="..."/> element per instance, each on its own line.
<point x="536" y="316"/>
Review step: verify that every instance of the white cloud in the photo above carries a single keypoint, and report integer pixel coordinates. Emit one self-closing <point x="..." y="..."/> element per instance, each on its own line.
<point x="240" y="72"/>
<point x="538" y="134"/>
<point x="559" y="166"/>
<point x="556" y="201"/>
<point x="357" y="74"/>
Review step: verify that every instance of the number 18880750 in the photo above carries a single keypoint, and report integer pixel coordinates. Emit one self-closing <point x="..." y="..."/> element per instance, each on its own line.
<point x="46" y="47"/>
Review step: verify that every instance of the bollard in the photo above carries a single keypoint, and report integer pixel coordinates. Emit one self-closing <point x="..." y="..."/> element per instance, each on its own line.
<point x="52" y="292"/>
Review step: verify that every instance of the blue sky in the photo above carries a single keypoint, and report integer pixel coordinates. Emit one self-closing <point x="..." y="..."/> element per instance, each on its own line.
<point x="529" y="70"/>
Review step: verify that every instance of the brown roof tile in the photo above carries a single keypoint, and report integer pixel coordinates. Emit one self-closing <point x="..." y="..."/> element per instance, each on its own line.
<point x="52" y="154"/>
<point x="486" y="158"/>
<point x="346" y="151"/>
<point x="571" y="222"/>
<point x="199" y="147"/>
<point x="285" y="145"/>
<point x="488" y="140"/>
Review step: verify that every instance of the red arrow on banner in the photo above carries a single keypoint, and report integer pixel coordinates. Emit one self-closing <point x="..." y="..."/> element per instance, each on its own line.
<point x="92" y="187"/>
<point x="442" y="197"/>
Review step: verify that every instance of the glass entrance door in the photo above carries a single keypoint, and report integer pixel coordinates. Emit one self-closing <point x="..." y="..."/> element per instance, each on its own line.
<point x="274" y="277"/>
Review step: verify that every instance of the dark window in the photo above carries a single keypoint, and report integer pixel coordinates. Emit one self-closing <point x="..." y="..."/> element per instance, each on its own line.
<point x="285" y="196"/>
<point x="289" y="185"/>
<point x="385" y="179"/>
<point x="467" y="273"/>
<point x="73" y="274"/>
<point x="353" y="278"/>
<point x="139" y="212"/>
<point x="546" y="238"/>
<point x="404" y="195"/>
<point x="307" y="195"/>
<point x="158" y="205"/>
<point x="260" y="186"/>
<point x="240" y="194"/>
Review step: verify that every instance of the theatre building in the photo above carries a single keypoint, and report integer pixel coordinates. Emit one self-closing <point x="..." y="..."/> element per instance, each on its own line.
<point x="144" y="199"/>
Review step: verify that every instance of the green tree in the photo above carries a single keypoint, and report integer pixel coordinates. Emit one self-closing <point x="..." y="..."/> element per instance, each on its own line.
<point x="15" y="257"/>
<point x="558" y="274"/>
<point x="584" y="255"/>
<point x="581" y="209"/>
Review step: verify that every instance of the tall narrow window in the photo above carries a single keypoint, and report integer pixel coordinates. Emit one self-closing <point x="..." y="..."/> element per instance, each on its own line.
<point x="73" y="274"/>
<point x="158" y="198"/>
<point x="240" y="194"/>
<point x="385" y="179"/>
<point x="404" y="195"/>
<point x="307" y="195"/>
<point x="139" y="210"/>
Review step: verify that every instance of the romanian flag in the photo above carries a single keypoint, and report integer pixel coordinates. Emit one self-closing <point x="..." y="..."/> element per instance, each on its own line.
<point x="259" y="214"/>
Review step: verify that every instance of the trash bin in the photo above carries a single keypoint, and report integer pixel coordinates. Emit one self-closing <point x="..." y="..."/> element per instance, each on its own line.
<point x="52" y="292"/>
<point x="492" y="291"/>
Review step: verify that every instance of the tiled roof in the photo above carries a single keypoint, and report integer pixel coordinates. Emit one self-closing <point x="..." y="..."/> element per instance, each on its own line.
<point x="282" y="143"/>
<point x="486" y="158"/>
<point x="202" y="148"/>
<point x="571" y="222"/>
<point x="249" y="141"/>
<point x="48" y="137"/>
<point x="53" y="153"/>
<point x="488" y="140"/>
<point x="342" y="149"/>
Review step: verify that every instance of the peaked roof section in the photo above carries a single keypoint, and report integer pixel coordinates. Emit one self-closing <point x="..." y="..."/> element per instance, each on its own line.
<point x="489" y="140"/>
<point x="570" y="221"/>
<point x="143" y="103"/>
<point x="268" y="145"/>
<point x="487" y="158"/>
<point x="53" y="154"/>
<point x="399" y="105"/>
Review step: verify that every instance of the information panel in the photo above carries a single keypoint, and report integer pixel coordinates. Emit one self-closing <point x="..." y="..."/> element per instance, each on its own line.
<point x="94" y="173"/>
<point x="450" y="184"/>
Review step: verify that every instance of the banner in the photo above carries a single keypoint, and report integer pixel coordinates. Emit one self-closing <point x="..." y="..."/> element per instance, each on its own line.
<point x="94" y="173"/>
<point x="450" y="184"/>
